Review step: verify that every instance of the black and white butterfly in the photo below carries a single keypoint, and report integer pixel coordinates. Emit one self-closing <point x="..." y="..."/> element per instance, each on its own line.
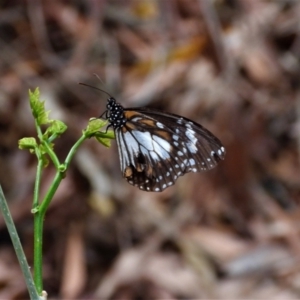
<point x="156" y="147"/>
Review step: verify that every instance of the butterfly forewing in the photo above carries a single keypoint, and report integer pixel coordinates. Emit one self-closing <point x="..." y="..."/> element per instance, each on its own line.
<point x="155" y="148"/>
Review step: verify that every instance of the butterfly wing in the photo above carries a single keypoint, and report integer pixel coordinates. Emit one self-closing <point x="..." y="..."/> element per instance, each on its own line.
<point x="155" y="148"/>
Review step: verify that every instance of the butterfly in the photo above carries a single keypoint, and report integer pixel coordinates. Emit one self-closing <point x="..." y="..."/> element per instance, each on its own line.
<point x="156" y="147"/>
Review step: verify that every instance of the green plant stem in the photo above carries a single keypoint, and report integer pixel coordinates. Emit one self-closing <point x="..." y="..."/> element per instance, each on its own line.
<point x="37" y="184"/>
<point x="52" y="155"/>
<point x="74" y="149"/>
<point x="50" y="152"/>
<point x="39" y="131"/>
<point x="18" y="247"/>
<point x="40" y="216"/>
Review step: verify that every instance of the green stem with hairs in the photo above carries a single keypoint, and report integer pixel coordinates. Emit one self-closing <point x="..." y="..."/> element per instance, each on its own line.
<point x="39" y="215"/>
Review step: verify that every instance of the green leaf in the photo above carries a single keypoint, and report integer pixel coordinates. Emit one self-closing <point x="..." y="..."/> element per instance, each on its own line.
<point x="104" y="141"/>
<point x="43" y="149"/>
<point x="93" y="129"/>
<point x="105" y="137"/>
<point x="45" y="161"/>
<point x="94" y="126"/>
<point x="38" y="107"/>
<point x="43" y="154"/>
<point x="110" y="134"/>
<point x="56" y="128"/>
<point x="28" y="143"/>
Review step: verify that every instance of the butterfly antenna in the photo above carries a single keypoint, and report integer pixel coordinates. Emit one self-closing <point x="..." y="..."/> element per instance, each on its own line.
<point x="93" y="87"/>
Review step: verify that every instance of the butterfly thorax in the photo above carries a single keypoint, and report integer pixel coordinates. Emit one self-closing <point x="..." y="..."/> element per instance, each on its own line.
<point x="115" y="113"/>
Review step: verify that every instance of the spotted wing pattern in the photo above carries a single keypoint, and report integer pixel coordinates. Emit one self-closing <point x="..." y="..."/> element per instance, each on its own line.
<point x="155" y="148"/>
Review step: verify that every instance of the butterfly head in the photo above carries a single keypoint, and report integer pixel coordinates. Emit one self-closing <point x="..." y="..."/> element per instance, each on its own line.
<point x="115" y="113"/>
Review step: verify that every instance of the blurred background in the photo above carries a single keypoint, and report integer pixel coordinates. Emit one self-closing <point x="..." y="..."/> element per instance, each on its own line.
<point x="230" y="65"/>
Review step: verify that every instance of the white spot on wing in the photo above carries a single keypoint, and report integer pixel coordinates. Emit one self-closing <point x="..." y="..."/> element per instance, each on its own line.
<point x="144" y="151"/>
<point x="123" y="154"/>
<point x="161" y="147"/>
<point x="154" y="155"/>
<point x="136" y="119"/>
<point x="144" y="138"/>
<point x="192" y="148"/>
<point x="193" y="140"/>
<point x="160" y="125"/>
<point x="192" y="162"/>
<point x="191" y="135"/>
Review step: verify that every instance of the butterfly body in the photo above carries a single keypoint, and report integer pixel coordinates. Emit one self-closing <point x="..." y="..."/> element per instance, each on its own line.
<point x="155" y="147"/>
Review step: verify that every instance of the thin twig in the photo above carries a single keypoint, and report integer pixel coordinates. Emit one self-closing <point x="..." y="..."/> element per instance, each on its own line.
<point x="214" y="28"/>
<point x="18" y="247"/>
